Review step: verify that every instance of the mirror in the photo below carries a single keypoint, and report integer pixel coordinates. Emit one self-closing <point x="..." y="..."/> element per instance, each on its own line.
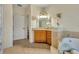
<point x="44" y="22"/>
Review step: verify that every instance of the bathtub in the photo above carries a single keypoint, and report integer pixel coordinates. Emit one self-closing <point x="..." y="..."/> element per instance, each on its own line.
<point x="68" y="44"/>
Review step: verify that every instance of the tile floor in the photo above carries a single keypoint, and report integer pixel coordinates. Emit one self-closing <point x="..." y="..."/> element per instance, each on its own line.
<point x="24" y="47"/>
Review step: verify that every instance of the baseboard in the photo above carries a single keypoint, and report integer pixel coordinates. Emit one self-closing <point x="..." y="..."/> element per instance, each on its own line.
<point x="20" y="39"/>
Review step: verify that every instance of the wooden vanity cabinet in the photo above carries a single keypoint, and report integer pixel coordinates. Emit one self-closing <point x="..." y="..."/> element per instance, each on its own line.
<point x="47" y="37"/>
<point x="40" y="36"/>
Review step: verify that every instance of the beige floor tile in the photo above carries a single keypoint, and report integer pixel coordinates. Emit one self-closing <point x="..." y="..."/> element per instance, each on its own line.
<point x="24" y="47"/>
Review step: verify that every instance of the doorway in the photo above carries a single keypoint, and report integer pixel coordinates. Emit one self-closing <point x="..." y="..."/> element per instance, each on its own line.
<point x="19" y="26"/>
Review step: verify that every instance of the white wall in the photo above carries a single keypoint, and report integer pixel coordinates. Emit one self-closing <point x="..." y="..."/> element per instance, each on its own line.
<point x="34" y="13"/>
<point x="71" y="21"/>
<point x="8" y="25"/>
<point x="1" y="22"/>
<point x="69" y="18"/>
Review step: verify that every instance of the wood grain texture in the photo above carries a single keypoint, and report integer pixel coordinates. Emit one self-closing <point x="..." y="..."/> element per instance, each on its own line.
<point x="40" y="36"/>
<point x="48" y="37"/>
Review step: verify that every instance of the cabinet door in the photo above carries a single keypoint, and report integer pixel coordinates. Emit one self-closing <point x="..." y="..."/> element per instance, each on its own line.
<point x="48" y="36"/>
<point x="40" y="36"/>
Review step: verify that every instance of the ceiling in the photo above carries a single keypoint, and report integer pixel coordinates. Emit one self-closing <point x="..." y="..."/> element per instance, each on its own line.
<point x="22" y="5"/>
<point x="43" y="5"/>
<point x="38" y="5"/>
<point x="52" y="5"/>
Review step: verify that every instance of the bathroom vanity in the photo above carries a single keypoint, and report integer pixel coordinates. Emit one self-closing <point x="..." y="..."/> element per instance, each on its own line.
<point x="47" y="36"/>
<point x="42" y="35"/>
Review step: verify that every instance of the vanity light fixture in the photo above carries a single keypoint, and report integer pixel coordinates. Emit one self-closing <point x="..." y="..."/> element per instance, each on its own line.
<point x="43" y="14"/>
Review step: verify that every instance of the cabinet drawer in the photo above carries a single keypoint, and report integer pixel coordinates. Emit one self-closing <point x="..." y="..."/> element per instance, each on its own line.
<point x="48" y="32"/>
<point x="48" y="37"/>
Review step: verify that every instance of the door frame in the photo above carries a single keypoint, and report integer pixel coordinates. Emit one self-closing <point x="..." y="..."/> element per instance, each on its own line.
<point x="25" y="26"/>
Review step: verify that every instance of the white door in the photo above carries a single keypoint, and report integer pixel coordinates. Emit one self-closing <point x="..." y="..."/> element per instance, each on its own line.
<point x="19" y="27"/>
